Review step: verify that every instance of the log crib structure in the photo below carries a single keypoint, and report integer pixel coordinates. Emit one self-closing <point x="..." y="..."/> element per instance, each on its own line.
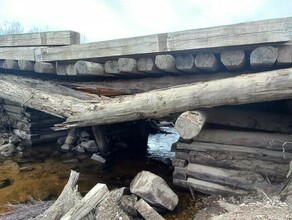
<point x="227" y="88"/>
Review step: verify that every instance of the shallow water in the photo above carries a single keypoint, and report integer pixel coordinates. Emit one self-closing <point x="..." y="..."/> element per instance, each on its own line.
<point x="47" y="178"/>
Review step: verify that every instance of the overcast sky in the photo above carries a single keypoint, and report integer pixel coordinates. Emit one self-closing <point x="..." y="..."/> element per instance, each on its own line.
<point x="111" y="19"/>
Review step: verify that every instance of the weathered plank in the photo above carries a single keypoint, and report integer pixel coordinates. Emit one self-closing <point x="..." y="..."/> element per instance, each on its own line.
<point x="258" y="32"/>
<point x="273" y="141"/>
<point x="53" y="38"/>
<point x="147" y="211"/>
<point x="18" y="53"/>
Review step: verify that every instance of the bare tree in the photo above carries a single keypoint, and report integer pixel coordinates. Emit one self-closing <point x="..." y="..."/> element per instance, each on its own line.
<point x="11" y="27"/>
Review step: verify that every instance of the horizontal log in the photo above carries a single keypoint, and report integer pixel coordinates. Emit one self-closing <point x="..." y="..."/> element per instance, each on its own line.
<point x="128" y="65"/>
<point x="43" y="67"/>
<point x="186" y="63"/>
<point x="207" y="62"/>
<point x="90" y="68"/>
<point x="9" y="64"/>
<point x="247" y="180"/>
<point x="250" y="119"/>
<point x="166" y="63"/>
<point x="147" y="65"/>
<point x="268" y="86"/>
<point x="18" y="53"/>
<point x="263" y="57"/>
<point x="53" y="38"/>
<point x="272" y="141"/>
<point x="179" y="173"/>
<point x="207" y="147"/>
<point x="284" y="56"/>
<point x="241" y="161"/>
<point x="233" y="60"/>
<point x="63" y="69"/>
<point x="47" y="137"/>
<point x="26" y="65"/>
<point x="179" y="162"/>
<point x="112" y="67"/>
<point x="258" y="32"/>
<point x="207" y="187"/>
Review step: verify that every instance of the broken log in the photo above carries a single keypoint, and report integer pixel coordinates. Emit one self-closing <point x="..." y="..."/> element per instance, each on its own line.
<point x="190" y="123"/>
<point x="207" y="62"/>
<point x="263" y="57"/>
<point x="26" y="65"/>
<point x="272" y="141"/>
<point x="206" y="147"/>
<point x="272" y="85"/>
<point x="166" y="63"/>
<point x="87" y="203"/>
<point x="68" y="199"/>
<point x="233" y="60"/>
<point x="186" y="63"/>
<point x="147" y="65"/>
<point x="90" y="68"/>
<point x="265" y="121"/>
<point x="42" y="67"/>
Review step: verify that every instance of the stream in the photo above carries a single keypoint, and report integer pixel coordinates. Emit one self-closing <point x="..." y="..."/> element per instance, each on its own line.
<point x="45" y="177"/>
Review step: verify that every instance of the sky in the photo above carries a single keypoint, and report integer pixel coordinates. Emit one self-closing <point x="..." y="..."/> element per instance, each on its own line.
<point x="101" y="20"/>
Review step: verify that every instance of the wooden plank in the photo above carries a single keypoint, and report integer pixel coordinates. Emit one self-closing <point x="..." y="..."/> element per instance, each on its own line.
<point x="233" y="60"/>
<point x="186" y="63"/>
<point x="206" y="147"/>
<point x="272" y="141"/>
<point x="53" y="38"/>
<point x="146" y="211"/>
<point x="250" y="88"/>
<point x="263" y="57"/>
<point x="258" y="32"/>
<point x="207" y="62"/>
<point x="265" y="121"/>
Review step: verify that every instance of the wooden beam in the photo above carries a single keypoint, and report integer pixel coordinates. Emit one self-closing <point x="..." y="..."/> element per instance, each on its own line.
<point x="53" y="38"/>
<point x="205" y="147"/>
<point x="263" y="57"/>
<point x="186" y="63"/>
<point x="18" y="53"/>
<point x="90" y="68"/>
<point x="268" y="86"/>
<point x="207" y="62"/>
<point x="43" y="67"/>
<point x="273" y="141"/>
<point x="284" y="56"/>
<point x="233" y="60"/>
<point x="166" y="63"/>
<point x="65" y="69"/>
<point x="258" y="32"/>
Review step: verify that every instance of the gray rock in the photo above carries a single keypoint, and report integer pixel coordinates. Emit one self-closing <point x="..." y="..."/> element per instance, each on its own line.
<point x="127" y="203"/>
<point x="89" y="146"/>
<point x="154" y="190"/>
<point x="6" y="150"/>
<point x="65" y="147"/>
<point x="98" y="158"/>
<point x="80" y="149"/>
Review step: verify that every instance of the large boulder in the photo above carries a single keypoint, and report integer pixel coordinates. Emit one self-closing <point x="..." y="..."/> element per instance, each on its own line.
<point x="154" y="190"/>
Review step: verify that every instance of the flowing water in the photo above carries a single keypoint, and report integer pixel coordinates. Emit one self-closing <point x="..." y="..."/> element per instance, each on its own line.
<point x="45" y="177"/>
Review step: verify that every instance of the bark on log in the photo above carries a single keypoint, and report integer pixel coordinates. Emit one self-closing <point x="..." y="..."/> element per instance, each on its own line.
<point x="42" y="67"/>
<point x="147" y="65"/>
<point x="233" y="60"/>
<point x="190" y="123"/>
<point x="90" y="68"/>
<point x="26" y="65"/>
<point x="68" y="199"/>
<point x="273" y="85"/>
<point x="263" y="57"/>
<point x="206" y="147"/>
<point x="250" y="119"/>
<point x="207" y="62"/>
<point x="272" y="141"/>
<point x="166" y="63"/>
<point x="186" y="63"/>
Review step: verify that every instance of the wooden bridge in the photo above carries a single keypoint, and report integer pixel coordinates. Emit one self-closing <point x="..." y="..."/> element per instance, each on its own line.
<point x="50" y="80"/>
